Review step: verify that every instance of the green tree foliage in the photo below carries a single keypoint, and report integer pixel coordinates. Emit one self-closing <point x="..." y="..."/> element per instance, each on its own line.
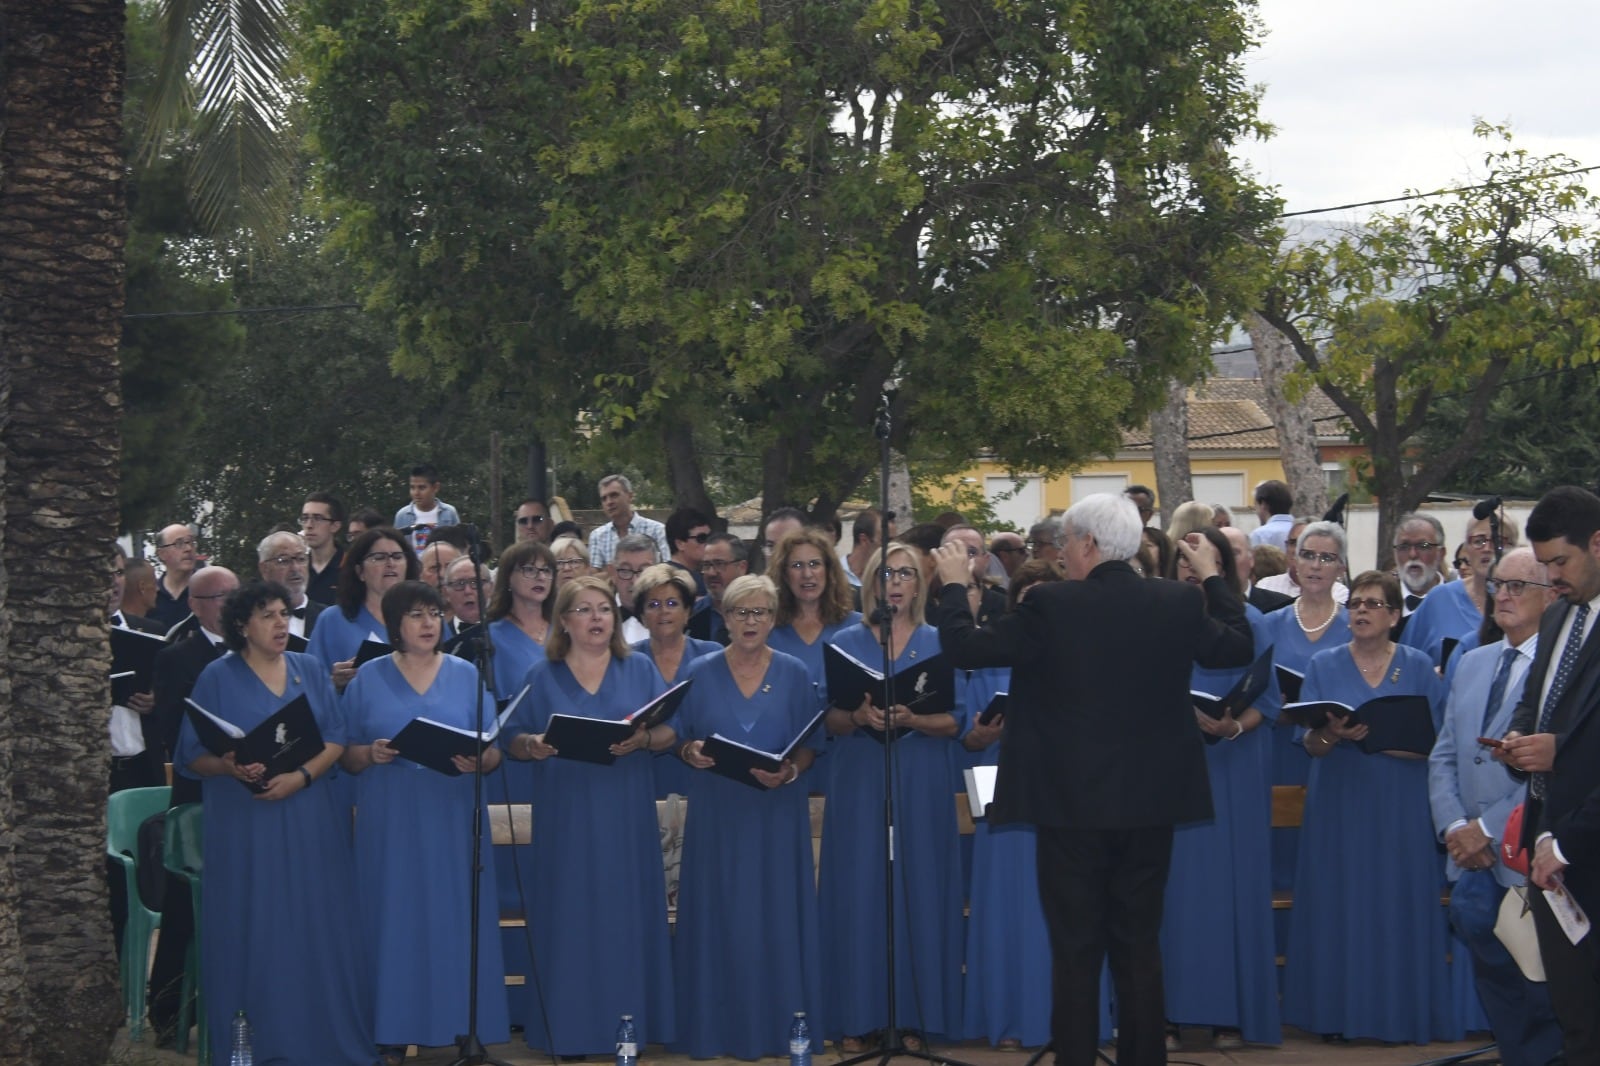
<point x="663" y="215"/>
<point x="1448" y="296"/>
<point x="166" y="361"/>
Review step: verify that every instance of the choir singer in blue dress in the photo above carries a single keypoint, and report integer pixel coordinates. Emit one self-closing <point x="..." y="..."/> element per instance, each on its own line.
<point x="662" y="596"/>
<point x="414" y="836"/>
<point x="597" y="910"/>
<point x="747" y="896"/>
<point x="279" y="910"/>
<point x="1367" y="936"/>
<point x="375" y="562"/>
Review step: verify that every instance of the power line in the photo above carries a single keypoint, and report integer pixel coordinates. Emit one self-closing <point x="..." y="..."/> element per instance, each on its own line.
<point x="1440" y="192"/>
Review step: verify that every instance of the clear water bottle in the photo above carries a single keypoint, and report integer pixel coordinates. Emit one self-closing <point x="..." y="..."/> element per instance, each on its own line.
<point x="800" y="1040"/>
<point x="242" y="1054"/>
<point x="627" y="1042"/>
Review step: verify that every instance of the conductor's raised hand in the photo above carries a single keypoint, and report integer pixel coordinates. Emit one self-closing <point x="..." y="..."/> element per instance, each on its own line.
<point x="955" y="567"/>
<point x="1201" y="555"/>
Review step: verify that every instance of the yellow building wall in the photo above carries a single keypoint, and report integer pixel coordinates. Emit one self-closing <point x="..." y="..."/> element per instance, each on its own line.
<point x="1249" y="471"/>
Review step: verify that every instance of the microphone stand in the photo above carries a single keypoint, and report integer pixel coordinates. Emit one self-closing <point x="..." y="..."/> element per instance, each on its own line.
<point x="894" y="1045"/>
<point x="470" y="1047"/>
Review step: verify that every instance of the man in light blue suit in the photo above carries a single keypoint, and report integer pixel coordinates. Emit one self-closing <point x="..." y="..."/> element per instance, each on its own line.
<point x="1471" y="795"/>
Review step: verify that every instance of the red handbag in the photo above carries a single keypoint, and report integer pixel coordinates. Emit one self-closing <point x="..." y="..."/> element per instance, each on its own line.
<point x="1512" y="853"/>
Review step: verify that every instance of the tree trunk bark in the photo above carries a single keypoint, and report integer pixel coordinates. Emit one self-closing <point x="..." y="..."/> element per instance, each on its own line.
<point x="1169" y="434"/>
<point x="1297" y="433"/>
<point x="62" y="225"/>
<point x="683" y="470"/>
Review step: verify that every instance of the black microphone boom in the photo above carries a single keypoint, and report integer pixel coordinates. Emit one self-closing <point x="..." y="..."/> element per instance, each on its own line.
<point x="1484" y="508"/>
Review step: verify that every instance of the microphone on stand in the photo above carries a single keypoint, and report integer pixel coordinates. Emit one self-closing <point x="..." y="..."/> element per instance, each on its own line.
<point x="1490" y="508"/>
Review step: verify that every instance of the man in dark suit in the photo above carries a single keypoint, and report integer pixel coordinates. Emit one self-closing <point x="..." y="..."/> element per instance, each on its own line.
<point x="1244" y="559"/>
<point x="1555" y="739"/>
<point x="1101" y="753"/>
<point x="285" y="558"/>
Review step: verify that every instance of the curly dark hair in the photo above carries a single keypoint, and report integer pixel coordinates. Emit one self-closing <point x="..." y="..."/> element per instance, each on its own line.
<point x="242" y="604"/>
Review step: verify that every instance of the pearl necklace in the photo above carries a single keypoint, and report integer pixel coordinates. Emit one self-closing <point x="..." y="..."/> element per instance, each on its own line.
<point x="1308" y="630"/>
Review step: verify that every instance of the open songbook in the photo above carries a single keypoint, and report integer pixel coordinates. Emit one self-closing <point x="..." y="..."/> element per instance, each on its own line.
<point x="1240" y="697"/>
<point x="590" y="739"/>
<point x="133" y="660"/>
<point x="735" y="760"/>
<point x="1394" y="723"/>
<point x="283" y="742"/>
<point x="1289" y="682"/>
<point x="435" y="744"/>
<point x="925" y="687"/>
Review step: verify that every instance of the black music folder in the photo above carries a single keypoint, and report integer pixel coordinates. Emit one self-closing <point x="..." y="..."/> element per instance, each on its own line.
<point x="1240" y="697"/>
<point x="1394" y="723"/>
<point x="590" y="739"/>
<point x="283" y="742"/>
<point x="434" y="744"/>
<point x="735" y="760"/>
<point x="925" y="687"/>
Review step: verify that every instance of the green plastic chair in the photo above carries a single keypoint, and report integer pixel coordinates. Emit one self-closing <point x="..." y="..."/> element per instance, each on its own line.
<point x="183" y="857"/>
<point x="125" y="812"/>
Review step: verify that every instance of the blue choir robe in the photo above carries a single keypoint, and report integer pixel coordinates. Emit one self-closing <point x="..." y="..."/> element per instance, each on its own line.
<point x="928" y="897"/>
<point x="336" y="639"/>
<point x="786" y="640"/>
<point x="279" y="911"/>
<point x="597" y="906"/>
<point x="1367" y="936"/>
<point x="1217" y="943"/>
<point x="514" y="655"/>
<point x="672" y="773"/>
<point x="1446" y="611"/>
<point x="414" y="859"/>
<point x="747" y="949"/>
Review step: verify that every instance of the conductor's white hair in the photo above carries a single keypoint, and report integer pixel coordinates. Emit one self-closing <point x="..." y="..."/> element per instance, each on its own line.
<point x="1112" y="520"/>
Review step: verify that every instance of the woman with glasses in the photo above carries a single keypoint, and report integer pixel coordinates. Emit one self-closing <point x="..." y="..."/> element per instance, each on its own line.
<point x="597" y="910"/>
<point x="572" y="559"/>
<point x="662" y="597"/>
<point x="280" y="901"/>
<point x="521" y="608"/>
<point x="414" y="837"/>
<point x="1455" y="611"/>
<point x="928" y="936"/>
<point x="375" y="562"/>
<point x="1367" y="937"/>
<point x="747" y="875"/>
<point x="815" y="605"/>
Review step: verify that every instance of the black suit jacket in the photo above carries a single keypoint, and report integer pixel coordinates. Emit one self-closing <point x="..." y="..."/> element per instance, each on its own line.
<point x="313" y="608"/>
<point x="149" y="725"/>
<point x="177" y="669"/>
<point x="1100" y="730"/>
<point x="1571" y="805"/>
<point x="1266" y="601"/>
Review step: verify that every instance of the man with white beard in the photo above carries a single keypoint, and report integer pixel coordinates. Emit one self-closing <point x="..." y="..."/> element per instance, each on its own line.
<point x="1418" y="548"/>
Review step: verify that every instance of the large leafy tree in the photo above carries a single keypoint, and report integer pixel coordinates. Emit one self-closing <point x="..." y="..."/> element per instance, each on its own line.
<point x="1019" y="218"/>
<point x="1449" y="296"/>
<point x="61" y="298"/>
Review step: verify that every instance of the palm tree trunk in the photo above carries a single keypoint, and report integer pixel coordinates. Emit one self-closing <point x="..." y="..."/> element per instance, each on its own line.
<point x="62" y="223"/>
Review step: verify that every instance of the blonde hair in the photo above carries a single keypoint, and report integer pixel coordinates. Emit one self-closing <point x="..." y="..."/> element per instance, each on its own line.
<point x="559" y="642"/>
<point x="563" y="544"/>
<point x="869" y="581"/>
<point x="653" y="577"/>
<point x="1190" y="517"/>
<point x="747" y="586"/>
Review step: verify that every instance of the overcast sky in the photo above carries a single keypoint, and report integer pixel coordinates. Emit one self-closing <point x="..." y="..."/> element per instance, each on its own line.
<point x="1372" y="98"/>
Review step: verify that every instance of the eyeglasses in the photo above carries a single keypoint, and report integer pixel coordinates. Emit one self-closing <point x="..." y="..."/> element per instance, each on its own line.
<point x="604" y="610"/>
<point x="1516" y="588"/>
<point x="530" y="519"/>
<point x="384" y="557"/>
<point x="698" y="538"/>
<point x="530" y="570"/>
<point x="1415" y="547"/>
<point x="802" y="565"/>
<point x="1369" y="603"/>
<point x="568" y="564"/>
<point x="751" y="614"/>
<point x="1035" y="545"/>
<point x="901" y="573"/>
<point x="716" y="566"/>
<point x="181" y="542"/>
<point x="313" y="519"/>
<point x="292" y="560"/>
<point x="461" y="584"/>
<point x="213" y="596"/>
<point x="418" y="614"/>
<point x="627" y="573"/>
<point x="1480" y="540"/>
<point x="669" y="604"/>
<point x="1325" y="558"/>
<point x="1462" y="564"/>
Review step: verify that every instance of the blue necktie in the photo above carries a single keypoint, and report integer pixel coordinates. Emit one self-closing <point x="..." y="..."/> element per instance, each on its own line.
<point x="1569" y="660"/>
<point x="1497" y="690"/>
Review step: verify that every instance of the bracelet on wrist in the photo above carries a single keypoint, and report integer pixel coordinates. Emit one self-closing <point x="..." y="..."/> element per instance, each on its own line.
<point x="307" y="775"/>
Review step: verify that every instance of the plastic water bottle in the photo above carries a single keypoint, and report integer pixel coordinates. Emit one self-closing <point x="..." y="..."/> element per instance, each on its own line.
<point x="242" y="1054"/>
<point x="800" y="1040"/>
<point x="627" y="1042"/>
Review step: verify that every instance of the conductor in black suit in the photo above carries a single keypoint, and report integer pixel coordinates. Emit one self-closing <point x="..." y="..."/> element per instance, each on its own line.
<point x="1101" y="753"/>
<point x="1555" y="738"/>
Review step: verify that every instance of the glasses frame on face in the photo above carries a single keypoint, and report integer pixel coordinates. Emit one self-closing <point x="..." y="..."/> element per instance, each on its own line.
<point x="533" y="571"/>
<point x="1515" y="586"/>
<point x="532" y="519"/>
<point x="289" y="560"/>
<point x="314" y="519"/>
<point x="419" y="614"/>
<point x="602" y="610"/>
<point x="1480" y="540"/>
<point x="1368" y="603"/>
<point x="805" y="566"/>
<point x="1462" y="564"/>
<point x="716" y="566"/>
<point x="181" y="542"/>
<point x="671" y="603"/>
<point x="901" y="573"/>
<point x="383" y="557"/>
<point x="569" y="564"/>
<point x="749" y="614"/>
<point x="1416" y="547"/>
<point x="1306" y="555"/>
<point x="627" y="573"/>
